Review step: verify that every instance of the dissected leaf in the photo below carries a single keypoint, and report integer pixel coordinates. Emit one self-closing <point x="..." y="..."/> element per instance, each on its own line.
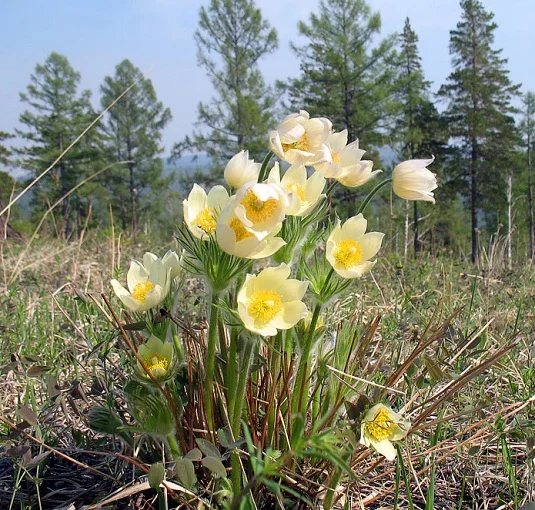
<point x="34" y="461"/>
<point x="37" y="370"/>
<point x="17" y="451"/>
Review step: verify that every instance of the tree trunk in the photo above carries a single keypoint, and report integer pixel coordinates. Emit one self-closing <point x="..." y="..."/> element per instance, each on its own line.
<point x="530" y="204"/>
<point x="509" y="220"/>
<point x="473" y="205"/>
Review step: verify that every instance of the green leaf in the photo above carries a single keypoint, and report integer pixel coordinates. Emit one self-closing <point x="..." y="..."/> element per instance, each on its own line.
<point x="194" y="454"/>
<point x="156" y="475"/>
<point x="208" y="448"/>
<point x="185" y="472"/>
<point x="215" y="465"/>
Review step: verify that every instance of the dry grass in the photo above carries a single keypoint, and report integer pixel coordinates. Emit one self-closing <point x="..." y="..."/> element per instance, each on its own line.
<point x="455" y="344"/>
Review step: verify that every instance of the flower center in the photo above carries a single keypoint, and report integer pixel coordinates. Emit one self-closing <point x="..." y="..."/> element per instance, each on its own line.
<point x="335" y="155"/>
<point x="265" y="305"/>
<point x="141" y="290"/>
<point x="348" y="253"/>
<point x="296" y="189"/>
<point x="239" y="229"/>
<point x="205" y="221"/>
<point x="258" y="210"/>
<point x="156" y="364"/>
<point x="382" y="426"/>
<point x="301" y="145"/>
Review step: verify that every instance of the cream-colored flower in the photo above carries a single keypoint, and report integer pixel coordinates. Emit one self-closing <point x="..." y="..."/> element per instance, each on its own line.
<point x="170" y="260"/>
<point x="201" y="210"/>
<point x="241" y="170"/>
<point x="303" y="192"/>
<point x="147" y="286"/>
<point x="300" y="140"/>
<point x="270" y="301"/>
<point x="260" y="208"/>
<point x="346" y="164"/>
<point x="349" y="248"/>
<point x="379" y="427"/>
<point x="157" y="357"/>
<point x="411" y="180"/>
<point x="235" y="239"/>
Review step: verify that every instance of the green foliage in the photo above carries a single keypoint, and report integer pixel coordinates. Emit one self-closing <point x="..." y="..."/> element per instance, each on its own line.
<point x="479" y="112"/>
<point x="134" y="130"/>
<point x="343" y="75"/>
<point x="231" y="39"/>
<point x="58" y="114"/>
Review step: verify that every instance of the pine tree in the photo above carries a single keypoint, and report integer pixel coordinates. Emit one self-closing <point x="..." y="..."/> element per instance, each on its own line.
<point x="527" y="129"/>
<point x="479" y="111"/>
<point x="231" y="39"/>
<point x="134" y="126"/>
<point x="4" y="151"/>
<point x="343" y="76"/>
<point x="58" y="115"/>
<point x="419" y="127"/>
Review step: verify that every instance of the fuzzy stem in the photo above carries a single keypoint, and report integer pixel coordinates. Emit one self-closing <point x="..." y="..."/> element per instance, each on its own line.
<point x="372" y="193"/>
<point x="210" y="362"/>
<point x="263" y="169"/>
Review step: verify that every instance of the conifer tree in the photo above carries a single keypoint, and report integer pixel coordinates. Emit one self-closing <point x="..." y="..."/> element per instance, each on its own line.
<point x="134" y="127"/>
<point x="344" y="76"/>
<point x="479" y="111"/>
<point x="419" y="127"/>
<point x="58" y="114"/>
<point x="231" y="38"/>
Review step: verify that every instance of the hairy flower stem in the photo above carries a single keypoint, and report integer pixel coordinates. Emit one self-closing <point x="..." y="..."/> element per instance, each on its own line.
<point x="275" y="370"/>
<point x="300" y="393"/>
<point x="174" y="447"/>
<point x="231" y="372"/>
<point x="213" y="329"/>
<point x="245" y="365"/>
<point x="372" y="193"/>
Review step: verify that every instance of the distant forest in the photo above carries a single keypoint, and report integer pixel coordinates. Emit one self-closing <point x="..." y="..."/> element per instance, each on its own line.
<point x="373" y="86"/>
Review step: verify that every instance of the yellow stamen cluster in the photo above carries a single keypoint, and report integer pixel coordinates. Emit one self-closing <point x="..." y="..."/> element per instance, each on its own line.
<point x="335" y="155"/>
<point x="258" y="210"/>
<point x="155" y="362"/>
<point x="239" y="229"/>
<point x="205" y="221"/>
<point x="141" y="290"/>
<point x="348" y="253"/>
<point x="265" y="305"/>
<point x="297" y="190"/>
<point x="381" y="426"/>
<point x="302" y="144"/>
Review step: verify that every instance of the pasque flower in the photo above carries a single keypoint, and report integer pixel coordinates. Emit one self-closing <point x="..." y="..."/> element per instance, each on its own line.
<point x="148" y="284"/>
<point x="260" y="208"/>
<point x="240" y="170"/>
<point x="346" y="165"/>
<point x="300" y="140"/>
<point x="170" y="260"/>
<point x="303" y="192"/>
<point x="349" y="248"/>
<point x="411" y="180"/>
<point x="201" y="210"/>
<point x="379" y="427"/>
<point x="235" y="239"/>
<point x="270" y="301"/>
<point x="157" y="356"/>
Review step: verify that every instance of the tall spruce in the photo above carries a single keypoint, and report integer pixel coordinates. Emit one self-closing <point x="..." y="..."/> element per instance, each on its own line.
<point x="344" y="76"/>
<point x="527" y="130"/>
<point x="134" y="127"/>
<point x="58" y="114"/>
<point x="479" y="111"/>
<point x="231" y="38"/>
<point x="419" y="127"/>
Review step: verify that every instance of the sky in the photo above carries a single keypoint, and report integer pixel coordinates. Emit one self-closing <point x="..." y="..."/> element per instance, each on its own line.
<point x="157" y="36"/>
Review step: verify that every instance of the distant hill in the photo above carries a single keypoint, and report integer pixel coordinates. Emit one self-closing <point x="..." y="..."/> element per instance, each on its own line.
<point x="186" y="165"/>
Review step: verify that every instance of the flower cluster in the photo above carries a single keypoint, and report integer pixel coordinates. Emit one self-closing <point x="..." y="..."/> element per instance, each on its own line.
<point x="266" y="212"/>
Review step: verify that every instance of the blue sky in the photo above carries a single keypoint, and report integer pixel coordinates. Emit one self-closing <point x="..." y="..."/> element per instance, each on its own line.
<point x="157" y="36"/>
